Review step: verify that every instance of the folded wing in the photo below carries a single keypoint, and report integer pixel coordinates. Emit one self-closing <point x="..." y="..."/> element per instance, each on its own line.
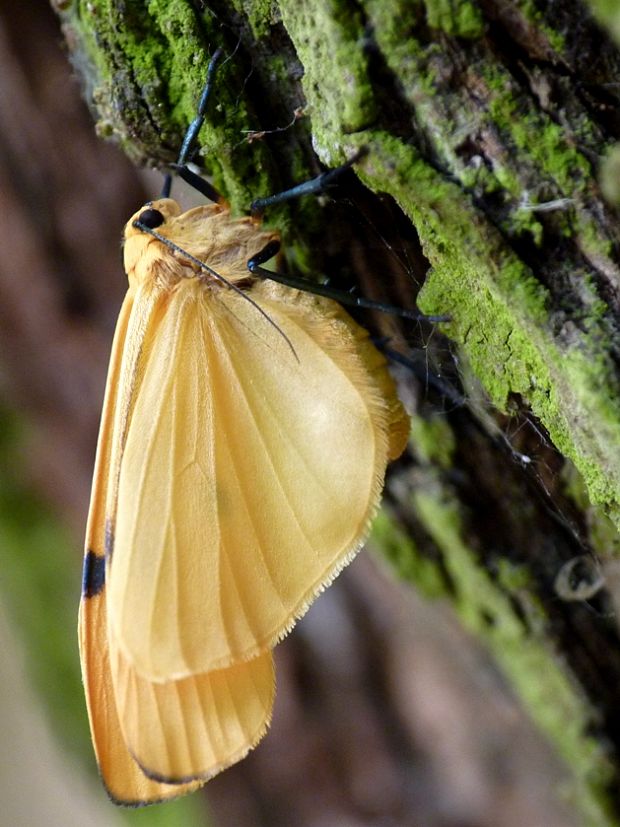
<point x="154" y="742"/>
<point x="253" y="463"/>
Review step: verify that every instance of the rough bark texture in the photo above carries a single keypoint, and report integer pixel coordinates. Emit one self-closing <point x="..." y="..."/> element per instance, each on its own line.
<point x="489" y="130"/>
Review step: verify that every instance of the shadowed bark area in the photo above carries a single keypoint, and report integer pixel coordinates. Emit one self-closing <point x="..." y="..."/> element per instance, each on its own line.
<point x="489" y="131"/>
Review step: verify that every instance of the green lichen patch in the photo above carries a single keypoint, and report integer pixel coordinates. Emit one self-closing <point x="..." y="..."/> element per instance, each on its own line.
<point x="541" y="139"/>
<point x="532" y="159"/>
<point x="460" y="19"/>
<point x="132" y="63"/>
<point x="518" y="642"/>
<point x="499" y="316"/>
<point x="432" y="440"/>
<point x="608" y="13"/>
<point x="531" y="13"/>
<point x="329" y="38"/>
<point x="397" y="546"/>
<point x="149" y="69"/>
<point x="602" y="534"/>
<point x="261" y="15"/>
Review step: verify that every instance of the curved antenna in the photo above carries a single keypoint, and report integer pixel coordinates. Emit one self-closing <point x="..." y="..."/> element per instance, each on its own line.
<point x="217" y="276"/>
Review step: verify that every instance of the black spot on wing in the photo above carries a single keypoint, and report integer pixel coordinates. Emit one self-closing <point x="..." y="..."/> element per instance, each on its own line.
<point x="93" y="579"/>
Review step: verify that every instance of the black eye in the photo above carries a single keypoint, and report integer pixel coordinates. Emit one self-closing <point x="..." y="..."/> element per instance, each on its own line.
<point x="151" y="218"/>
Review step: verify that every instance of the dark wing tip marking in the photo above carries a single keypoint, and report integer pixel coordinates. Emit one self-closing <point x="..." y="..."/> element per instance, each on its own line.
<point x="93" y="579"/>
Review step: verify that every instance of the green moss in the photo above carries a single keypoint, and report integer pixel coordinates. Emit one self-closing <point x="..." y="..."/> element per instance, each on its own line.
<point x="415" y="66"/>
<point x="524" y="221"/>
<point x="390" y="19"/>
<point x="260" y="15"/>
<point x="596" y="247"/>
<point x="608" y="14"/>
<point x="533" y="15"/>
<point x="518" y="642"/>
<point x="432" y="440"/>
<point x="542" y="141"/>
<point x="132" y="61"/>
<point x="398" y="547"/>
<point x="552" y="153"/>
<point x="476" y="598"/>
<point x="459" y="19"/>
<point x="149" y="68"/>
<point x="329" y="40"/>
<point x="481" y="177"/>
<point x="499" y="315"/>
<point x="516" y="581"/>
<point x="603" y="535"/>
<point x="540" y="144"/>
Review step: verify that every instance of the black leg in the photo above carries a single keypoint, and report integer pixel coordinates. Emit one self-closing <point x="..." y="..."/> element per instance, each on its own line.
<point x="318" y="184"/>
<point x="166" y="186"/>
<point x="254" y="266"/>
<point x="198" y="183"/>
<point x="263" y="255"/>
<point x="188" y="147"/>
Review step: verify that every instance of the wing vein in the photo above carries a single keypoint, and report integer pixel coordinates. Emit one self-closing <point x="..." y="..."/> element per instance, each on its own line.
<point x="242" y="378"/>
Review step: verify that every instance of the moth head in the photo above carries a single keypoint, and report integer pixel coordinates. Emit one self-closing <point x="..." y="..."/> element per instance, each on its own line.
<point x="141" y="249"/>
<point x="167" y="245"/>
<point x="154" y="215"/>
<point x="150" y="218"/>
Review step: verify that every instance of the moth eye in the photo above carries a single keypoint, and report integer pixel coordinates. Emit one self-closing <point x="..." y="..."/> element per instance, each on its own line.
<point x="151" y="218"/>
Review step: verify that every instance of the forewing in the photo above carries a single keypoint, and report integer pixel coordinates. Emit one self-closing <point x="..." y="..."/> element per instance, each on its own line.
<point x="253" y="464"/>
<point x="125" y="782"/>
<point x="123" y="779"/>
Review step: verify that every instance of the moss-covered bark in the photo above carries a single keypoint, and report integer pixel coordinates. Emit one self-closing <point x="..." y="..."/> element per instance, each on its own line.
<point x="486" y="124"/>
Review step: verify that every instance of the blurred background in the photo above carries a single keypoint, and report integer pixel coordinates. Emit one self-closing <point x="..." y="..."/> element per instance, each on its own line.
<point x="387" y="712"/>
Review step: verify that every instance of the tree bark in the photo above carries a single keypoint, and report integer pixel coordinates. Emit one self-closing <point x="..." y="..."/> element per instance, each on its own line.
<point x="489" y="132"/>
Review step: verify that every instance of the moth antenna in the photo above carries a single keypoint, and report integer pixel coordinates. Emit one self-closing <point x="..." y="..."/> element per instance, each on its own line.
<point x="217" y="276"/>
<point x="254" y="266"/>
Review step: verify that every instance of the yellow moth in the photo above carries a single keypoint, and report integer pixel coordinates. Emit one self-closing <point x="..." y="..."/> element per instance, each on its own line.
<point x="244" y="439"/>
